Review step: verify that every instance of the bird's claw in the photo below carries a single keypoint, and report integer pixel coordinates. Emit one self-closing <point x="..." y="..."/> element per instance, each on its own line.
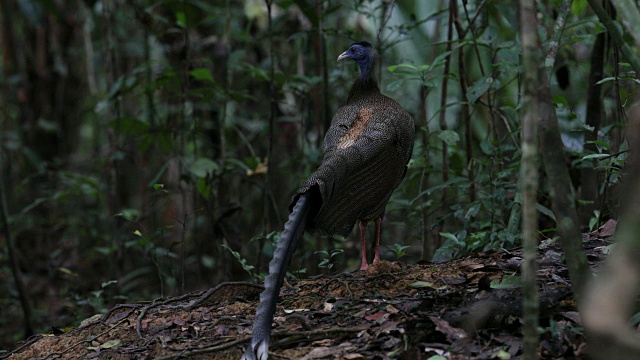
<point x="257" y="350"/>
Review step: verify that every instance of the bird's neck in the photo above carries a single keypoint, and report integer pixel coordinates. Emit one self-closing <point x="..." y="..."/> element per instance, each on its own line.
<point x="365" y="84"/>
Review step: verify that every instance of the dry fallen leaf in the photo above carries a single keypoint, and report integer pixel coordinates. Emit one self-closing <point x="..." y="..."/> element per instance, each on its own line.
<point x="608" y="229"/>
<point x="377" y="316"/>
<point x="453" y="334"/>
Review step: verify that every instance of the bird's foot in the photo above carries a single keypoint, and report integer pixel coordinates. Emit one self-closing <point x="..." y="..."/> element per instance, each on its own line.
<point x="257" y="350"/>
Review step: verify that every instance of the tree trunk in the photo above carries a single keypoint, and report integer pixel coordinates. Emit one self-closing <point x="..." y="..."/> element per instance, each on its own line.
<point x="531" y="55"/>
<point x="611" y="298"/>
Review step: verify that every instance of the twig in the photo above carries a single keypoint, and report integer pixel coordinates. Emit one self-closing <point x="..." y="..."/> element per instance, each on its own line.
<point x="28" y="343"/>
<point x="88" y="340"/>
<point x="612" y="155"/>
<point x="206" y="350"/>
<point x="201" y="296"/>
<point x="119" y="306"/>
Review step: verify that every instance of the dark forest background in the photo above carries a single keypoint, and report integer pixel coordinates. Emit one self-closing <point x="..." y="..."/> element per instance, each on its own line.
<point x="150" y="148"/>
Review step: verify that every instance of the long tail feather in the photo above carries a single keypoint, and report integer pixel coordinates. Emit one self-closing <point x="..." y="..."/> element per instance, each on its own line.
<point x="293" y="230"/>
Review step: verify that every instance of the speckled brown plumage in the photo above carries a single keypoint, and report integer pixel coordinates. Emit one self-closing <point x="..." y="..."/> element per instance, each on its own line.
<point x="366" y="150"/>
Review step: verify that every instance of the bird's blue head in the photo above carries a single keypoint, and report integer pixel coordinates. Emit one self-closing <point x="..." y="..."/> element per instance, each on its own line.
<point x="362" y="53"/>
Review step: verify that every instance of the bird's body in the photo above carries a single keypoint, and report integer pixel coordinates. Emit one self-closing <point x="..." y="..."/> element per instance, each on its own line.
<point x="365" y="155"/>
<point x="366" y="151"/>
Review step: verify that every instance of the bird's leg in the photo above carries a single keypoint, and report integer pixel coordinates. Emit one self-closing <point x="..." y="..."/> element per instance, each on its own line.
<point x="363" y="230"/>
<point x="376" y="256"/>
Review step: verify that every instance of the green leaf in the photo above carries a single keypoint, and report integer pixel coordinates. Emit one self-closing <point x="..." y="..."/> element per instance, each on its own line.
<point x="451" y="237"/>
<point x="433" y="189"/>
<point x="181" y="19"/>
<point x="479" y="88"/>
<point x="612" y="78"/>
<point x="208" y="261"/>
<point x="603" y="144"/>
<point x="411" y="67"/>
<point x="203" y="167"/>
<point x="204" y="188"/>
<point x="252" y="162"/>
<point x="503" y="355"/>
<point x="394" y="85"/>
<point x="450" y="137"/>
<point x="256" y="72"/>
<point x="424" y="284"/>
<point x="202" y="74"/>
<point x="130" y="214"/>
<point x="508" y="282"/>
<point x="560" y="100"/>
<point x="577" y="6"/>
<point x="129" y="126"/>
<point x="594" y="156"/>
<point x="546" y="211"/>
<point x="107" y="283"/>
<point x="111" y="344"/>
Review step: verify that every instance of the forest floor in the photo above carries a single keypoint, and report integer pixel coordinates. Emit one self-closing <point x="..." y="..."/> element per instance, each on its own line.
<point x="469" y="308"/>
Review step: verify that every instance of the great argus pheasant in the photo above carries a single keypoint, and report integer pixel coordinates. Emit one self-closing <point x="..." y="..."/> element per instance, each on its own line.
<point x="366" y="151"/>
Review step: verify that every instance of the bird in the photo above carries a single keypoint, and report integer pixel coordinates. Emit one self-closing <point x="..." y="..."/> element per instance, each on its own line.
<point x="366" y="152"/>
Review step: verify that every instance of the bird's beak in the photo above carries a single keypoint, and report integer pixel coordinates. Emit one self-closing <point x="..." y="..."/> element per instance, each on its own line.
<point x="344" y="55"/>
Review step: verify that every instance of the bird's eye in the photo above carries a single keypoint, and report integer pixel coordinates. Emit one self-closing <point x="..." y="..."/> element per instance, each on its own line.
<point x="353" y="50"/>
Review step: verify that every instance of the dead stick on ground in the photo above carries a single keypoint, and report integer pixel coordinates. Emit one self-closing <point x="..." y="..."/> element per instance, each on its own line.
<point x="89" y="340"/>
<point x="296" y="334"/>
<point x="200" y="298"/>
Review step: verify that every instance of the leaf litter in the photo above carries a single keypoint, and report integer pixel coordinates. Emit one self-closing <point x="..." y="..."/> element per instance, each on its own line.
<point x="468" y="308"/>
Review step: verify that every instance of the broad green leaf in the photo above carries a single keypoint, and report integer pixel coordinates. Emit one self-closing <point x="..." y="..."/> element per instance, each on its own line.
<point x="424" y="284"/>
<point x="202" y="74"/>
<point x="252" y="162"/>
<point x="545" y="210"/>
<point x="203" y="167"/>
<point x="181" y="19"/>
<point x="107" y="283"/>
<point x="204" y="188"/>
<point x="508" y="282"/>
<point x="603" y="144"/>
<point x="430" y="190"/>
<point x="411" y="67"/>
<point x="111" y="343"/>
<point x="503" y="355"/>
<point x="394" y="85"/>
<point x="577" y="6"/>
<point x="594" y="156"/>
<point x="450" y="137"/>
<point x="129" y="126"/>
<point x="560" y="100"/>
<point x="130" y="214"/>
<point x="450" y="236"/>
<point x="437" y="357"/>
<point x="479" y="88"/>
